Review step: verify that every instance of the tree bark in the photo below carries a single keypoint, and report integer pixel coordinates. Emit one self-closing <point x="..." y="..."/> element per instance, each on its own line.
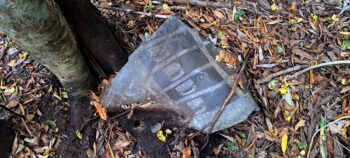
<point x="92" y="31"/>
<point x="39" y="28"/>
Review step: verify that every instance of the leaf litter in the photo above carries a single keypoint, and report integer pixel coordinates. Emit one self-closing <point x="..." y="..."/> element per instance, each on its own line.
<point x="284" y="37"/>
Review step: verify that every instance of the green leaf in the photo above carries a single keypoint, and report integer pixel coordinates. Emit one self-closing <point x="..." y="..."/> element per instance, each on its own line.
<point x="232" y="147"/>
<point x="273" y="84"/>
<point x="219" y="35"/>
<point x="149" y="7"/>
<point x="322" y="132"/>
<point x="280" y="49"/>
<point x="301" y="145"/>
<point x="146" y="35"/>
<point x="6" y="44"/>
<point x="238" y="15"/>
<point x="323" y="150"/>
<point x="346" y="44"/>
<point x="19" y="148"/>
<point x="51" y="123"/>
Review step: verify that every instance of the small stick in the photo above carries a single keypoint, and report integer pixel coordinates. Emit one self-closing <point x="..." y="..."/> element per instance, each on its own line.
<point x="318" y="130"/>
<point x="279" y="73"/>
<point x="130" y="11"/>
<point x="341" y="144"/>
<point x="226" y="101"/>
<point x="25" y="125"/>
<point x="132" y="108"/>
<point x="12" y="112"/>
<point x="317" y="66"/>
<point x="201" y="3"/>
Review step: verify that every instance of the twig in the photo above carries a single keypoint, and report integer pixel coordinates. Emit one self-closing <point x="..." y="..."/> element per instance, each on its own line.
<point x="346" y="6"/>
<point x="134" y="12"/>
<point x="201" y="3"/>
<point x="25" y="125"/>
<point x="279" y="73"/>
<point x="318" y="130"/>
<point x="132" y="108"/>
<point x="12" y="112"/>
<point x="226" y="101"/>
<point x="317" y="66"/>
<point x="341" y="145"/>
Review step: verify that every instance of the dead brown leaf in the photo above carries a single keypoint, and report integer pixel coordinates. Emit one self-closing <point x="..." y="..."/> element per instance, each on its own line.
<point x="12" y="104"/>
<point x="302" y="53"/>
<point x="101" y="110"/>
<point x="186" y="152"/>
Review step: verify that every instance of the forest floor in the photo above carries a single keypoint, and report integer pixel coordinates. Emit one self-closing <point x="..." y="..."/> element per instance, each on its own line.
<point x="294" y="71"/>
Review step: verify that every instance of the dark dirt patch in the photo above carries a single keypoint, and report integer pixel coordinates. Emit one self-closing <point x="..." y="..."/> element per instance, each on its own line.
<point x="70" y="117"/>
<point x="6" y="138"/>
<point x="140" y="124"/>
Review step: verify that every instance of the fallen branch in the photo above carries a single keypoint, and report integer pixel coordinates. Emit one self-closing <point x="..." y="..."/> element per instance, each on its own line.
<point x="317" y="66"/>
<point x="318" y="130"/>
<point x="298" y="67"/>
<point x="279" y="73"/>
<point x="226" y="101"/>
<point x="201" y="3"/>
<point x="134" y="12"/>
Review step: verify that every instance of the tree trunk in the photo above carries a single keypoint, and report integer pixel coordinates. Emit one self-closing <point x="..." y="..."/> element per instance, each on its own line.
<point x="94" y="34"/>
<point x="39" y="28"/>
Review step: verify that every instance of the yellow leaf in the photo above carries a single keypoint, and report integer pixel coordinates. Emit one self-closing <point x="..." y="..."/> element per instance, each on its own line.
<point x="23" y="55"/>
<point x="345" y="54"/>
<point x="161" y="136"/>
<point x="283" y="90"/>
<point x="284" y="141"/>
<point x="168" y="131"/>
<point x="10" y="90"/>
<point x="274" y="7"/>
<point x="344" y="33"/>
<point x="100" y="110"/>
<point x="186" y="152"/>
<point x="335" y="18"/>
<point x="343" y="132"/>
<point x="11" y="63"/>
<point x="78" y="134"/>
<point x="314" y="16"/>
<point x="301" y="123"/>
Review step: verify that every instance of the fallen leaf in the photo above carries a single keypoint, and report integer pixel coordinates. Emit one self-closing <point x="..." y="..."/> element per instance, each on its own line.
<point x="12" y="104"/>
<point x="101" y="110"/>
<point x="274" y="22"/>
<point x="78" y="134"/>
<point x="344" y="33"/>
<point x="283" y="90"/>
<point x="293" y="6"/>
<point x="186" y="152"/>
<point x="302" y="53"/>
<point x="345" y="89"/>
<point x="23" y="55"/>
<point x="284" y="140"/>
<point x="166" y="9"/>
<point x="346" y="44"/>
<point x="301" y="123"/>
<point x="11" y="63"/>
<point x="168" y="131"/>
<point x="274" y="7"/>
<point x="273" y="84"/>
<point x="122" y="143"/>
<point x="219" y="14"/>
<point x="161" y="136"/>
<point x="335" y="18"/>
